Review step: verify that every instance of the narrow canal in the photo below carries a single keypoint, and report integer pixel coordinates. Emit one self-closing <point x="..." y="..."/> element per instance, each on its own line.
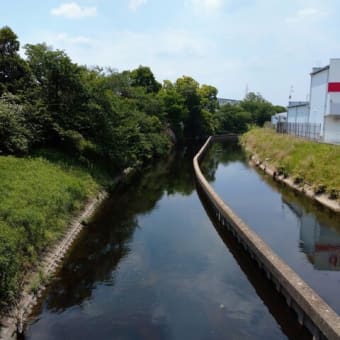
<point x="152" y="265"/>
<point x="303" y="233"/>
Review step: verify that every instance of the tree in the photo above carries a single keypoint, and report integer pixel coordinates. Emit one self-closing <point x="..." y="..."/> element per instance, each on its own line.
<point x="233" y="119"/>
<point x="188" y="88"/>
<point x="261" y="110"/>
<point x="209" y="105"/>
<point x="142" y="76"/>
<point x="14" y="72"/>
<point x="208" y="96"/>
<point x="14" y="134"/>
<point x="279" y="108"/>
<point x="60" y="86"/>
<point x="174" y="109"/>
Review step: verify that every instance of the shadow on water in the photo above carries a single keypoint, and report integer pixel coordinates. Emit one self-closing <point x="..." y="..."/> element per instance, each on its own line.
<point x="275" y="302"/>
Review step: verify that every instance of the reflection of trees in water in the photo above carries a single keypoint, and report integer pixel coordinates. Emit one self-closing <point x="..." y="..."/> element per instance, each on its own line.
<point x="106" y="240"/>
<point x="181" y="178"/>
<point x="94" y="257"/>
<point x="220" y="153"/>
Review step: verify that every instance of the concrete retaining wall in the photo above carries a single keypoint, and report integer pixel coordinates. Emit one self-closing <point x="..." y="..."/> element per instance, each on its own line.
<point x="312" y="311"/>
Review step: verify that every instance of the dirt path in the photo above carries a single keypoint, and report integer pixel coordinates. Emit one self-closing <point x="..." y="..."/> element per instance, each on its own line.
<point x="14" y="321"/>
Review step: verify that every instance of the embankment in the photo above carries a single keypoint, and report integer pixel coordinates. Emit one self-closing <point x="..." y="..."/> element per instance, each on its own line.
<point x="306" y="166"/>
<point x="43" y="205"/>
<point x="311" y="310"/>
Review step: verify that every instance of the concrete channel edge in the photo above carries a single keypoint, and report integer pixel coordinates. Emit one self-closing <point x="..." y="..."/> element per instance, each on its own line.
<point x="311" y="310"/>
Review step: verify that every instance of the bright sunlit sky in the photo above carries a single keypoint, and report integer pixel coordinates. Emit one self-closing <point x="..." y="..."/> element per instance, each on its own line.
<point x="265" y="45"/>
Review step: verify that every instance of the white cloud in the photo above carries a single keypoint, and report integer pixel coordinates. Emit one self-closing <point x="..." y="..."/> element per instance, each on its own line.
<point x="72" y="10"/>
<point x="207" y="5"/>
<point x="252" y="42"/>
<point x="135" y="4"/>
<point x="307" y="14"/>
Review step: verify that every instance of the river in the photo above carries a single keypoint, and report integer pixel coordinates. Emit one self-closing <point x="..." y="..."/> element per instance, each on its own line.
<point x="152" y="265"/>
<point x="303" y="233"/>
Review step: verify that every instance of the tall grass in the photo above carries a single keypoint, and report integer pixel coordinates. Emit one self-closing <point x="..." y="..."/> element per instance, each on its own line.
<point x="37" y="200"/>
<point x="311" y="163"/>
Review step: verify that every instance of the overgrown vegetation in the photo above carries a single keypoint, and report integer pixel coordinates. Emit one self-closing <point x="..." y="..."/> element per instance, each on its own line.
<point x="37" y="200"/>
<point x="72" y="125"/>
<point x="306" y="162"/>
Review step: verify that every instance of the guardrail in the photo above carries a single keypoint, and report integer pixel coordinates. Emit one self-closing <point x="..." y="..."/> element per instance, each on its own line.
<point x="312" y="311"/>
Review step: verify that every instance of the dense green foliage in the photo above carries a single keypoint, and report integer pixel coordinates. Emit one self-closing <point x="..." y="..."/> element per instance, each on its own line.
<point x="305" y="161"/>
<point x="37" y="199"/>
<point x="98" y="118"/>
<point x="124" y="118"/>
<point x="253" y="110"/>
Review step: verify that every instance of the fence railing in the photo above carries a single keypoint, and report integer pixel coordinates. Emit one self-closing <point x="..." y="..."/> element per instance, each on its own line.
<point x="304" y="130"/>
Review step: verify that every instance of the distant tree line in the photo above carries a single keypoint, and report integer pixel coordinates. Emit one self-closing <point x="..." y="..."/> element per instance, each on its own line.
<point x="123" y="118"/>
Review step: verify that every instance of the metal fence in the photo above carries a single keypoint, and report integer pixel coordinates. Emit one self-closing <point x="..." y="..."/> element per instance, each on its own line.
<point x="304" y="130"/>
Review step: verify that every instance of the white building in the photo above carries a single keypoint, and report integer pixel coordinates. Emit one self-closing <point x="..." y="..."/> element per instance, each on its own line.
<point x="224" y="101"/>
<point x="278" y="118"/>
<point x="320" y="118"/>
<point x="325" y="100"/>
<point x="298" y="112"/>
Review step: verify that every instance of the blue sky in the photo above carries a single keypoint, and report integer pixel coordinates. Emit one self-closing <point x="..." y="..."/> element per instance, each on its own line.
<point x="265" y="45"/>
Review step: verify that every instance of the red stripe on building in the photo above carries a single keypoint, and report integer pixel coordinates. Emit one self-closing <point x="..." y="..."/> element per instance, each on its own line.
<point x="326" y="247"/>
<point x="333" y="87"/>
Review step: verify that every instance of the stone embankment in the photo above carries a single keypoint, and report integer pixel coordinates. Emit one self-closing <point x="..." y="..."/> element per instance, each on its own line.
<point x="13" y="323"/>
<point x="311" y="310"/>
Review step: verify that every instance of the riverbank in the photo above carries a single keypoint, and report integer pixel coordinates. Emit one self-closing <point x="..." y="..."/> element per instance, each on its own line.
<point x="43" y="207"/>
<point x="14" y="320"/>
<point x="306" y="166"/>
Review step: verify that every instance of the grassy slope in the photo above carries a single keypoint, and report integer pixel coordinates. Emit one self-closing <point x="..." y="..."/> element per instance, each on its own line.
<point x="315" y="164"/>
<point x="37" y="199"/>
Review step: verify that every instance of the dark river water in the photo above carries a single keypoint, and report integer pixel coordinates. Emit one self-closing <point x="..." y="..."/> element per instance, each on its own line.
<point x="304" y="234"/>
<point x="152" y="265"/>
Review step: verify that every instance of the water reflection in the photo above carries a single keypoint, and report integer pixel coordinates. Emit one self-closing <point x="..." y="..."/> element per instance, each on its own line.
<point x="275" y="302"/>
<point x="221" y="153"/>
<point x="151" y="266"/>
<point x="318" y="241"/>
<point x="107" y="239"/>
<point x="303" y="233"/>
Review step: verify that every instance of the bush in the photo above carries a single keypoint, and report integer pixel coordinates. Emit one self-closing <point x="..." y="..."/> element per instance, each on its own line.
<point x="14" y="135"/>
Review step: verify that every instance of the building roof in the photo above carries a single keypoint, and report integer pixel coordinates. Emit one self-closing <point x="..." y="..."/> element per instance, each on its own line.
<point x="295" y="104"/>
<point x="223" y="101"/>
<point x="316" y="70"/>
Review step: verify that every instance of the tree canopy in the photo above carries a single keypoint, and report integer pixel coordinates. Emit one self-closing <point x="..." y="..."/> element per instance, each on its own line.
<point x="121" y="118"/>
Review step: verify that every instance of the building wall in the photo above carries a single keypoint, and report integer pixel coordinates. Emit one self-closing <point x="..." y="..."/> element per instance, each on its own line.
<point x="332" y="113"/>
<point x="333" y="100"/>
<point x="318" y="97"/>
<point x="332" y="129"/>
<point x="298" y="114"/>
<point x="279" y="117"/>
